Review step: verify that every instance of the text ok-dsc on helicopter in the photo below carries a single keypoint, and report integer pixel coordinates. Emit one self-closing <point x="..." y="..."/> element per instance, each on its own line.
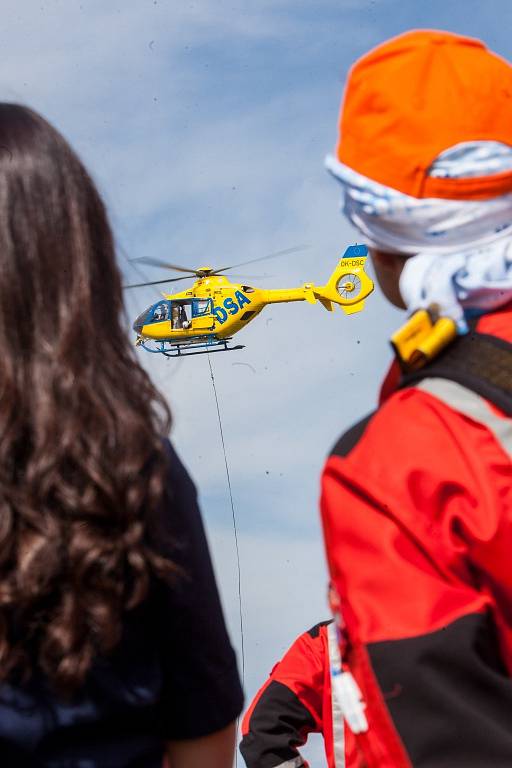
<point x="207" y="315"/>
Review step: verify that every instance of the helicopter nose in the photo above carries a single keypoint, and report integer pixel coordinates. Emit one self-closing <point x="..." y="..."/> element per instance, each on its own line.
<point x="141" y="320"/>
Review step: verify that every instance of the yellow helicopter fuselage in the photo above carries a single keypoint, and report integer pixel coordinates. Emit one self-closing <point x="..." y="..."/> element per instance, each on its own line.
<point x="216" y="308"/>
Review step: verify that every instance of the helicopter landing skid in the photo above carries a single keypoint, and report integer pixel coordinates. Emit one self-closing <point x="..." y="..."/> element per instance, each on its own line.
<point x="199" y="347"/>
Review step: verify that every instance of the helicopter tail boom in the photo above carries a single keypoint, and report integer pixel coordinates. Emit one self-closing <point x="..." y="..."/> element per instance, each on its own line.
<point x="348" y="286"/>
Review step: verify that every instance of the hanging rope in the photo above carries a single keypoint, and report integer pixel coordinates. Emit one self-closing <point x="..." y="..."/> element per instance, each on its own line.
<point x="234" y="529"/>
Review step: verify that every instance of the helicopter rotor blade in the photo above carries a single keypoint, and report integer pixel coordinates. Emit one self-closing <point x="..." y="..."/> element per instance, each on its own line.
<point x="157" y="282"/>
<point x="165" y="264"/>
<point x="294" y="249"/>
<point x="245" y="277"/>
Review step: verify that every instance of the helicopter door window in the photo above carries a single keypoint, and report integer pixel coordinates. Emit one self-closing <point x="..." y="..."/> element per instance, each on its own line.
<point x="180" y="315"/>
<point x="201" y="307"/>
<point x="160" y="312"/>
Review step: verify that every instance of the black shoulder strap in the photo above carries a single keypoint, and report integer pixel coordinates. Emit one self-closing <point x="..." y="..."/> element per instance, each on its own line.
<point x="479" y="362"/>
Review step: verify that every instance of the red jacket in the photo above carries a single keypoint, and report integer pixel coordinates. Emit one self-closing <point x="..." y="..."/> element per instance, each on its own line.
<point x="417" y="517"/>
<point x="294" y="702"/>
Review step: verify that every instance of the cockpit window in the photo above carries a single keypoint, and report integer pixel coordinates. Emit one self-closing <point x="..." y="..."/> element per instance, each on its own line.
<point x="142" y="319"/>
<point x="160" y="312"/>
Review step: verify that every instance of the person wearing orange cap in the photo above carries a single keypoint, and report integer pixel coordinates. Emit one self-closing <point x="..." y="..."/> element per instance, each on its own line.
<point x="417" y="498"/>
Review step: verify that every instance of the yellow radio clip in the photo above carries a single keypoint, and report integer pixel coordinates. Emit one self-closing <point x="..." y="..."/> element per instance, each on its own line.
<point x="422" y="338"/>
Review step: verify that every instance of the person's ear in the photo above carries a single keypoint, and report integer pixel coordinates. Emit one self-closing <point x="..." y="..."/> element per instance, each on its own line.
<point x="391" y="262"/>
<point x="388" y="268"/>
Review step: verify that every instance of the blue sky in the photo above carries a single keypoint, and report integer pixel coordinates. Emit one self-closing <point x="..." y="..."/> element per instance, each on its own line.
<point x="205" y="125"/>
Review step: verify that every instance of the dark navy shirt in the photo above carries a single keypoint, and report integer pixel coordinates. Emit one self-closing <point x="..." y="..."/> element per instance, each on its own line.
<point x="173" y="675"/>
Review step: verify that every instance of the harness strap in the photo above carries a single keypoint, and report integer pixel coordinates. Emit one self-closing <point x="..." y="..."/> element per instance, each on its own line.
<point x="338" y="720"/>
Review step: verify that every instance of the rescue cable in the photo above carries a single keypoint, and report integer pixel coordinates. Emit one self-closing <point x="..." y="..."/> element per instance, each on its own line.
<point x="234" y="527"/>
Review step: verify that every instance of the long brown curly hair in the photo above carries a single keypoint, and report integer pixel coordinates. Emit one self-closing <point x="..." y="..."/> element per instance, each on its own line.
<point x="82" y="461"/>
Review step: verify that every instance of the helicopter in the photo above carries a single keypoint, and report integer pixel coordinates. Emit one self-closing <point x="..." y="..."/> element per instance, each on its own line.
<point x="206" y="316"/>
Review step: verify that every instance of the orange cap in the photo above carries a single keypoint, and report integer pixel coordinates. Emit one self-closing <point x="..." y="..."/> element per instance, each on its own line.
<point x="415" y="96"/>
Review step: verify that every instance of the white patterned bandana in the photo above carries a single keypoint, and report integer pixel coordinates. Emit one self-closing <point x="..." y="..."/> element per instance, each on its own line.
<point x="461" y="249"/>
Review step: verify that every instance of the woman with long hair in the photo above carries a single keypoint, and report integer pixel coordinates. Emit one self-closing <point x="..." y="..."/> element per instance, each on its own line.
<point x="113" y="648"/>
